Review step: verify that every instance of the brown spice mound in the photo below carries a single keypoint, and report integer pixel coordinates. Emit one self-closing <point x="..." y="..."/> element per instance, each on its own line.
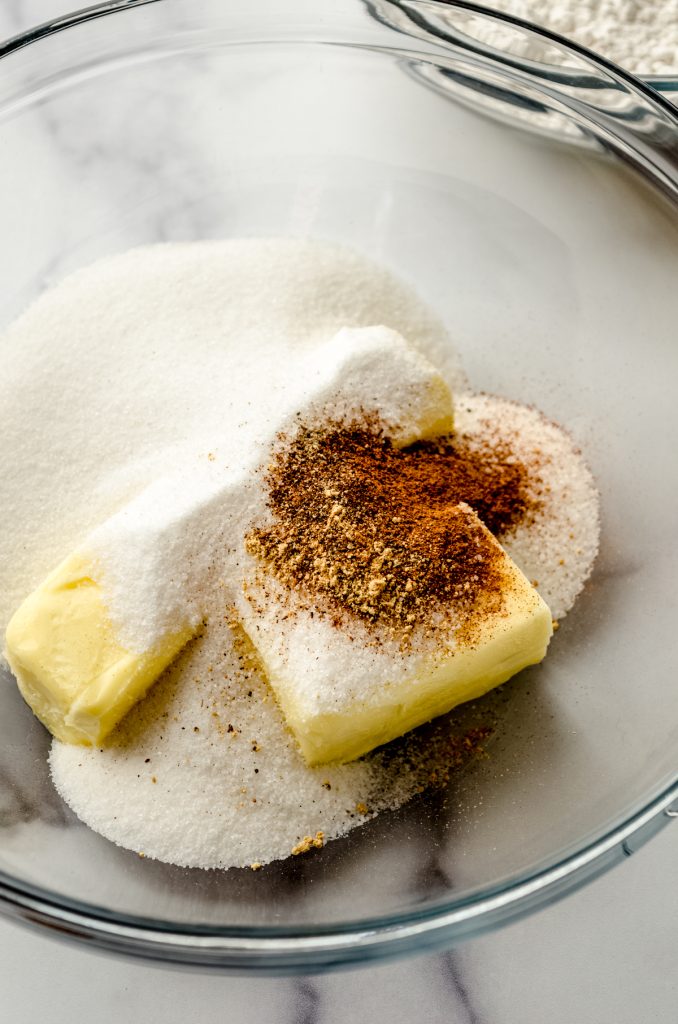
<point x="387" y="534"/>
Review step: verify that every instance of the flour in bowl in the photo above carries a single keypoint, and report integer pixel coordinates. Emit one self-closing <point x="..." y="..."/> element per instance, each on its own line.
<point x="640" y="35"/>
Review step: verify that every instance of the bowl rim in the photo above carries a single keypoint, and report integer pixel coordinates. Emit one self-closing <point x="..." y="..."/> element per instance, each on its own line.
<point x="665" y="83"/>
<point x="287" y="949"/>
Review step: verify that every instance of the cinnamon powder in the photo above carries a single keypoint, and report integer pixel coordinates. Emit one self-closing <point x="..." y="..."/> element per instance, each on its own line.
<point x="390" y="535"/>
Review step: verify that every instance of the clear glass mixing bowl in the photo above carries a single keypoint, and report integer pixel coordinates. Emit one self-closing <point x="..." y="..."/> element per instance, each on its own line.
<point x="533" y="204"/>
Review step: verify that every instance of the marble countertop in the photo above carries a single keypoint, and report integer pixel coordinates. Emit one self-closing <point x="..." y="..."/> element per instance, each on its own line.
<point x="605" y="955"/>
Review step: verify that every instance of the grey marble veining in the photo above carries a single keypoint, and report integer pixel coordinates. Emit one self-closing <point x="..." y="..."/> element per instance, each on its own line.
<point x="606" y="955"/>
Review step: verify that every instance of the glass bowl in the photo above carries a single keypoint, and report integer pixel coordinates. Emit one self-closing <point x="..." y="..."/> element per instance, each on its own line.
<point x="533" y="205"/>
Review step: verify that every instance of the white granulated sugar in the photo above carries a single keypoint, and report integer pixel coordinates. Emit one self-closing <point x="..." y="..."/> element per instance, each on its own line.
<point x="640" y="35"/>
<point x="129" y="366"/>
<point x="203" y="772"/>
<point x="140" y="399"/>
<point x="557" y="548"/>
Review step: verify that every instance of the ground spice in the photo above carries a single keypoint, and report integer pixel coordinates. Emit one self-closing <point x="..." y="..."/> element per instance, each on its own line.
<point x="386" y="534"/>
<point x="315" y="842"/>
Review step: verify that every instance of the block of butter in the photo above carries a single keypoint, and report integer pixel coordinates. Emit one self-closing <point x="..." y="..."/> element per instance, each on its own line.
<point x="62" y="644"/>
<point x="345" y="691"/>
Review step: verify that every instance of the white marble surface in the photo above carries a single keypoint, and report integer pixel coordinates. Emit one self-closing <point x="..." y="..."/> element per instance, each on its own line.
<point x="604" y="955"/>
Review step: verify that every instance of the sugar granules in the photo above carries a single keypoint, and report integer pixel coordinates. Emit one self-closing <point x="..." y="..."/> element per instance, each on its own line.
<point x="556" y="548"/>
<point x="204" y="773"/>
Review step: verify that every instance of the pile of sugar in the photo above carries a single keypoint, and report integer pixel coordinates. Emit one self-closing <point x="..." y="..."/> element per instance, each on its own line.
<point x="640" y="35"/>
<point x="556" y="548"/>
<point x="204" y="773"/>
<point x="113" y="376"/>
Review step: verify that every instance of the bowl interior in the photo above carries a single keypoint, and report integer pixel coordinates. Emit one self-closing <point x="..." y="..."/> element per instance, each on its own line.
<point x="554" y="268"/>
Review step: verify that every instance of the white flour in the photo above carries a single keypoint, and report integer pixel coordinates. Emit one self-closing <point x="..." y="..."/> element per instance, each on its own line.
<point x="640" y="35"/>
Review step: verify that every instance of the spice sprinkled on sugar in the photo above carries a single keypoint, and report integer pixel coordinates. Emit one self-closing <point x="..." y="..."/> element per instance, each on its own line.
<point x="386" y="534"/>
<point x="220" y="802"/>
<point x="180" y="821"/>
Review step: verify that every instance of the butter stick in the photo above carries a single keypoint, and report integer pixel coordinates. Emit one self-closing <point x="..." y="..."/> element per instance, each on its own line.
<point x="345" y="689"/>
<point x="61" y="645"/>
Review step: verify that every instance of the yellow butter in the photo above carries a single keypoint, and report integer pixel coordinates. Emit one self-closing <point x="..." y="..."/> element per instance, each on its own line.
<point x="360" y="718"/>
<point x="71" y="669"/>
<point x="435" y="417"/>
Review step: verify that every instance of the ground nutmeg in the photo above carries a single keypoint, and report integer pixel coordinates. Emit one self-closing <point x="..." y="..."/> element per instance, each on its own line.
<point x="388" y="534"/>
